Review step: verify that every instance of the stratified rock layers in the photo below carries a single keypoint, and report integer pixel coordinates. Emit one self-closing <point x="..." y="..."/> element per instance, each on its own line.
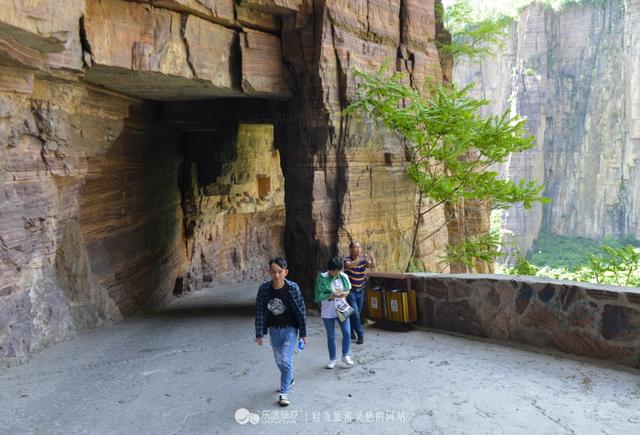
<point x="151" y="147"/>
<point x="575" y="74"/>
<point x="91" y="212"/>
<point x="345" y="173"/>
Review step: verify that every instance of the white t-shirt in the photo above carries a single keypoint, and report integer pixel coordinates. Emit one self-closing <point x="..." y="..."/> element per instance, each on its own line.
<point x="328" y="307"/>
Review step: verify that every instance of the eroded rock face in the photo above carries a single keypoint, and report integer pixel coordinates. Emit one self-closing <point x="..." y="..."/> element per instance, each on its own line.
<point x="79" y="212"/>
<point x="342" y="191"/>
<point x="41" y="33"/>
<point x="574" y="75"/>
<point x="240" y="215"/>
<point x="117" y="191"/>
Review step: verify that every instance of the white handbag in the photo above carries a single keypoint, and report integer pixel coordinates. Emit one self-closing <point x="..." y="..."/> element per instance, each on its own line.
<point x="343" y="309"/>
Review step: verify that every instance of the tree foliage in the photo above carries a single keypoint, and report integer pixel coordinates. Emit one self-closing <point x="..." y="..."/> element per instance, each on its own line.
<point x="471" y="37"/>
<point x="619" y="264"/>
<point x="523" y="267"/>
<point x="451" y="149"/>
<point x="480" y="247"/>
<point x="615" y="265"/>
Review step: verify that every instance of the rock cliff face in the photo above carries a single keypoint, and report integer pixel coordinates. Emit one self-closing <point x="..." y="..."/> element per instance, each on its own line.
<point x="151" y="147"/>
<point x="575" y="74"/>
<point x="347" y="175"/>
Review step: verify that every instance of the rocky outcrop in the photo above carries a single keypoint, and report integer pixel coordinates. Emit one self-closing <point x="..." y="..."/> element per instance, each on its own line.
<point x="42" y="34"/>
<point x="345" y="171"/>
<point x="574" y="74"/>
<point x="90" y="212"/>
<point x="152" y="147"/>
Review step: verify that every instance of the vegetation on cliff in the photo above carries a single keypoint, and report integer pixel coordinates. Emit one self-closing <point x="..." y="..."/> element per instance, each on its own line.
<point x="478" y="28"/>
<point x="610" y="261"/>
<point x="613" y="265"/>
<point x="486" y="9"/>
<point x="450" y="151"/>
<point x="472" y="36"/>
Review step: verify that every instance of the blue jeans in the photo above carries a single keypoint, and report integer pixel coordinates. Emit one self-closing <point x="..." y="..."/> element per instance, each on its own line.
<point x="330" y="326"/>
<point x="356" y="300"/>
<point x="283" y="342"/>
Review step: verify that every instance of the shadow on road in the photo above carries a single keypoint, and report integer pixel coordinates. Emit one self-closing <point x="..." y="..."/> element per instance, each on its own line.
<point x="209" y="310"/>
<point x="235" y="300"/>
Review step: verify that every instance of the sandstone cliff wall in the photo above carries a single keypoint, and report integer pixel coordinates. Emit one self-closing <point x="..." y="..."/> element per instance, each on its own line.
<point x="574" y="74"/>
<point x="148" y="147"/>
<point x="347" y="178"/>
<point x="91" y="221"/>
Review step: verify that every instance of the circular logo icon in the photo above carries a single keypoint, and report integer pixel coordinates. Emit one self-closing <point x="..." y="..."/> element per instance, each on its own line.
<point x="254" y="419"/>
<point x="244" y="416"/>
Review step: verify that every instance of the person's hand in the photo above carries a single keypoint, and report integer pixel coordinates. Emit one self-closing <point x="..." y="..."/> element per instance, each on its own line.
<point x="259" y="341"/>
<point x="369" y="256"/>
<point x="304" y="340"/>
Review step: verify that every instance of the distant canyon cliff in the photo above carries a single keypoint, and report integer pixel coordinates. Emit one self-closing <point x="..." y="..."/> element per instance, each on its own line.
<point x="575" y="74"/>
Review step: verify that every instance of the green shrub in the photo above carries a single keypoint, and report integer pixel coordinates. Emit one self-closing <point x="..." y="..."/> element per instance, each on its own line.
<point x="610" y="261"/>
<point x="523" y="267"/>
<point x="616" y="265"/>
<point x="570" y="253"/>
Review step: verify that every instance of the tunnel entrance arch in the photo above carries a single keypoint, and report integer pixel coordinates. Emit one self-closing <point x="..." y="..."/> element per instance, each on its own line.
<point x="232" y="188"/>
<point x="186" y="194"/>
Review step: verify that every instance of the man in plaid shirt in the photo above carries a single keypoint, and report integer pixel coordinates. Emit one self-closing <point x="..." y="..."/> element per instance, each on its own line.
<point x="281" y="313"/>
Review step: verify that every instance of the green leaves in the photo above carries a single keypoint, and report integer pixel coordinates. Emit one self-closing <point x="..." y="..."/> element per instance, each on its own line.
<point x="451" y="149"/>
<point x="470" y="37"/>
<point x="523" y="267"/>
<point x="482" y="247"/>
<point x="615" y="265"/>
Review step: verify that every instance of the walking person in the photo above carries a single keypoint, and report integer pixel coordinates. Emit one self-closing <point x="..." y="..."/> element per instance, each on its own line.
<point x="332" y="287"/>
<point x="355" y="267"/>
<point x="281" y="313"/>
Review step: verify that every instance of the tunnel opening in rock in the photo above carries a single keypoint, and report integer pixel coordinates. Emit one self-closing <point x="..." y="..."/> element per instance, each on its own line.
<point x="232" y="188"/>
<point x="186" y="194"/>
<point x="118" y="192"/>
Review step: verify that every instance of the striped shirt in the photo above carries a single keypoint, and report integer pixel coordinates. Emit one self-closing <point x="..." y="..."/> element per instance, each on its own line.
<point x="356" y="272"/>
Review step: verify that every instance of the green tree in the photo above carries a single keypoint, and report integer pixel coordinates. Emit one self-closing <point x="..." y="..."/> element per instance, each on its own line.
<point x="471" y="37"/>
<point x="450" y="148"/>
<point x="474" y="249"/>
<point x="523" y="267"/>
<point x="615" y="265"/>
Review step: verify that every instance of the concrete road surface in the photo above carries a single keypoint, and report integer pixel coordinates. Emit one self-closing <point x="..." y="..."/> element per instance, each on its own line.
<point x="194" y="368"/>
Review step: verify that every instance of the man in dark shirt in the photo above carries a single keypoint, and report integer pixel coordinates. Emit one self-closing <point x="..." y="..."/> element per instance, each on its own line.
<point x="281" y="313"/>
<point x="355" y="267"/>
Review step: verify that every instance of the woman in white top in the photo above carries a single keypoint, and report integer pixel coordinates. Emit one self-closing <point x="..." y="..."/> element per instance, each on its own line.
<point x="333" y="286"/>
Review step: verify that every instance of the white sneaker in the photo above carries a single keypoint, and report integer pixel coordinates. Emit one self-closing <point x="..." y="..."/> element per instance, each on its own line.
<point x="347" y="361"/>
<point x="331" y="364"/>
<point x="283" y="400"/>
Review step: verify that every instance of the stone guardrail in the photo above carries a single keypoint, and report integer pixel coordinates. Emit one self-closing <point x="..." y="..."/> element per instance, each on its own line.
<point x="580" y="318"/>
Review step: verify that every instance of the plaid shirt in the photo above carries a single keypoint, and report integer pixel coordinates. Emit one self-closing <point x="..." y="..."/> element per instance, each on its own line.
<point x="297" y="303"/>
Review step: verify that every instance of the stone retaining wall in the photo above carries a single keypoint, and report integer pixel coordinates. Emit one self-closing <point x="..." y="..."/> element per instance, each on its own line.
<point x="579" y="318"/>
